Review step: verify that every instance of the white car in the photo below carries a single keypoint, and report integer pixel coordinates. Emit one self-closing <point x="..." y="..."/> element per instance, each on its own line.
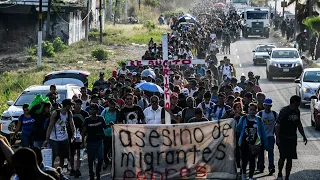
<point x="308" y="84"/>
<point x="10" y="117"/>
<point x="261" y="53"/>
<point x="284" y="62"/>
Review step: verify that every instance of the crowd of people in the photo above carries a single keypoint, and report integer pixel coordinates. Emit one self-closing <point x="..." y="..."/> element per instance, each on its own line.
<point x="287" y="26"/>
<point x="207" y="92"/>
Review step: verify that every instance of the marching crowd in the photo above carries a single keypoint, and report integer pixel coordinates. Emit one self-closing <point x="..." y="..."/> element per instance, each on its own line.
<point x="208" y="92"/>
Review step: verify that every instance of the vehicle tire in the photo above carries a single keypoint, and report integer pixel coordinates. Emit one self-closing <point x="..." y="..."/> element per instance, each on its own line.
<point x="317" y="125"/>
<point x="269" y="76"/>
<point x="255" y="63"/>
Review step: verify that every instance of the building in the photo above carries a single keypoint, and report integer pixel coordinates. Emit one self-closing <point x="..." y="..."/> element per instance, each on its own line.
<point x="19" y="20"/>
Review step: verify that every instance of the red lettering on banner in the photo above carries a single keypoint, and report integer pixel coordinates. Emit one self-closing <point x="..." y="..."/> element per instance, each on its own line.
<point x="140" y="173"/>
<point x="151" y="63"/>
<point x="168" y="170"/>
<point x="186" y="61"/>
<point x="184" y="172"/>
<point x="127" y="175"/>
<point x="201" y="171"/>
<point x="139" y="63"/>
<point x="158" y="63"/>
<point x="132" y="63"/>
<point x="176" y="61"/>
<point x="167" y="105"/>
<point x="165" y="63"/>
<point x="165" y="71"/>
<point x="157" y="172"/>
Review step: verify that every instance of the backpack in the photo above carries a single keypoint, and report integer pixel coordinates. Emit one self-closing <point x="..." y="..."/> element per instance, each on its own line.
<point x="215" y="107"/>
<point x="273" y="112"/>
<point x="203" y="106"/>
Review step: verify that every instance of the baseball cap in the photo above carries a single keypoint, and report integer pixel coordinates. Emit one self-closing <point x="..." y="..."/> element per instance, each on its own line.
<point x="185" y="91"/>
<point x="250" y="73"/>
<point x="268" y="101"/>
<point x="114" y="72"/>
<point x="236" y="90"/>
<point x="174" y="95"/>
<point x="227" y="79"/>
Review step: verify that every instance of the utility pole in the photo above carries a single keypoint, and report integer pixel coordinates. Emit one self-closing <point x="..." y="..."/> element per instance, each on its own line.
<point x="275" y="7"/>
<point x="139" y="1"/>
<point x="40" y="36"/>
<point x="88" y="20"/>
<point x="283" y="5"/>
<point x="48" y="20"/>
<point x="100" y="19"/>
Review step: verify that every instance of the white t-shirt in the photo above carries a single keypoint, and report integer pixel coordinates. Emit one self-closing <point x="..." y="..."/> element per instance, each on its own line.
<point x="152" y="116"/>
<point x="207" y="107"/>
<point x="192" y="91"/>
<point x="227" y="69"/>
<point x="212" y="46"/>
<point x="126" y="71"/>
<point x="213" y="36"/>
<point x="59" y="131"/>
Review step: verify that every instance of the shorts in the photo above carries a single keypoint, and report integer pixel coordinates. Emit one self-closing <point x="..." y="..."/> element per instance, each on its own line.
<point x="74" y="146"/>
<point x="288" y="147"/>
<point x="60" y="148"/>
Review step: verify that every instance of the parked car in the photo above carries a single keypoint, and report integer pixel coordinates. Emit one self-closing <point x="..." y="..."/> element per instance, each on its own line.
<point x="9" y="118"/>
<point x="77" y="77"/>
<point x="315" y="109"/>
<point x="307" y="84"/>
<point x="284" y="62"/>
<point x="261" y="53"/>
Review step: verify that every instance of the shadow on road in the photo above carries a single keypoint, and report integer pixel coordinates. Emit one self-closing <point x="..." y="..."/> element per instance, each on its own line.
<point x="306" y="174"/>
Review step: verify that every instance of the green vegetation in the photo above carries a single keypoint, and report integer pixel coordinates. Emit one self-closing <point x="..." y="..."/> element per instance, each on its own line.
<point x="49" y="49"/>
<point x="149" y="25"/>
<point x="100" y="54"/>
<point x="313" y="23"/>
<point x="77" y="56"/>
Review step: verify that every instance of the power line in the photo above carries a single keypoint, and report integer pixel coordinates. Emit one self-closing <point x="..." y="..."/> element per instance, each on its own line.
<point x="73" y="23"/>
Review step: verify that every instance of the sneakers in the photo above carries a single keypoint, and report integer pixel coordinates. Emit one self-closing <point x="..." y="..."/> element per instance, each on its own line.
<point x="77" y="173"/>
<point x="271" y="171"/>
<point x="279" y="178"/>
<point x="244" y="177"/>
<point x="72" y="172"/>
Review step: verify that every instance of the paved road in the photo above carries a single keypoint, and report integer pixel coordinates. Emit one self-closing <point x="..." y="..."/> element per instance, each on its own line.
<point x="307" y="167"/>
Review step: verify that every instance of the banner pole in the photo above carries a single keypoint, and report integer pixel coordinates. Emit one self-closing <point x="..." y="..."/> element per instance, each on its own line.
<point x="166" y="77"/>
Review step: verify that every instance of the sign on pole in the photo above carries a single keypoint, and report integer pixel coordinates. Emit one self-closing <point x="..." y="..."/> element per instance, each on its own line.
<point x="166" y="77"/>
<point x="203" y="150"/>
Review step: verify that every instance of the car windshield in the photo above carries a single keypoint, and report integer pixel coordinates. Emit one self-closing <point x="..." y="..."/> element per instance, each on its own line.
<point x="27" y="97"/>
<point x="257" y="15"/>
<point x="311" y="76"/>
<point x="264" y="48"/>
<point x="285" y="54"/>
<point x="79" y="76"/>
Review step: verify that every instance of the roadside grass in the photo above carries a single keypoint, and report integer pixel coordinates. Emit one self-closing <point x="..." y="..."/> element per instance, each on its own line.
<point x="77" y="56"/>
<point x="127" y="34"/>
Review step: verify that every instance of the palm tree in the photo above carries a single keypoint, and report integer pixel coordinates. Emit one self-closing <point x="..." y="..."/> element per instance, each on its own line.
<point x="303" y="10"/>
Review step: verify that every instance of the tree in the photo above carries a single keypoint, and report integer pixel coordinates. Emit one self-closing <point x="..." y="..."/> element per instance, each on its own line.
<point x="302" y="9"/>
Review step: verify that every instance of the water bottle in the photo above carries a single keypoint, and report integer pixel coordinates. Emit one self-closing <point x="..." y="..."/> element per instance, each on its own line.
<point x="78" y="136"/>
<point x="81" y="154"/>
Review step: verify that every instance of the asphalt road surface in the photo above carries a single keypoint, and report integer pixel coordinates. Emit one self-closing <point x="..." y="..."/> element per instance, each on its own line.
<point x="307" y="167"/>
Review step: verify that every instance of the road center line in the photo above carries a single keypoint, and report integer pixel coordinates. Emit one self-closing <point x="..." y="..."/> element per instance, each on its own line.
<point x="238" y="56"/>
<point x="240" y="65"/>
<point x="236" y="49"/>
<point x="242" y="74"/>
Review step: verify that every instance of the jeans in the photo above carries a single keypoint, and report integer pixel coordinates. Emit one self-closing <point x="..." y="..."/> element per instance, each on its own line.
<point x="26" y="141"/>
<point x="95" y="150"/>
<point x="247" y="156"/>
<point x="260" y="164"/>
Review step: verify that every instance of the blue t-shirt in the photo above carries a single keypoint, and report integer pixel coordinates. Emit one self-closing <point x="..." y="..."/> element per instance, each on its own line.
<point x="109" y="118"/>
<point x="214" y="99"/>
<point x="26" y="125"/>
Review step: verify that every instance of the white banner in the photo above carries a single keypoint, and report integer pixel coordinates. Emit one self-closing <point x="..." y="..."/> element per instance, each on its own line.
<point x="181" y="151"/>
